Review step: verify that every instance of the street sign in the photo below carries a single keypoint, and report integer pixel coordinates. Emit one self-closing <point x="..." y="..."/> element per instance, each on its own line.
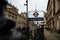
<point x="36" y="14"/>
<point x="36" y="19"/>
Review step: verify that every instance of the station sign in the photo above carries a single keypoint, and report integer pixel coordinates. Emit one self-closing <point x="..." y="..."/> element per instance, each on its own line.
<point x="36" y="14"/>
<point x="36" y="19"/>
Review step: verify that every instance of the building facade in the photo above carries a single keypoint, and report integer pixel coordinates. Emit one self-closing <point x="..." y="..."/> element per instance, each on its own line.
<point x="11" y="12"/>
<point x="45" y="20"/>
<point x="53" y="18"/>
<point x="57" y="14"/>
<point x="50" y="12"/>
<point x="22" y="20"/>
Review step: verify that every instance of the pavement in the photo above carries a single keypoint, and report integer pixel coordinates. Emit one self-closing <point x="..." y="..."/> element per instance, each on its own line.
<point x="51" y="35"/>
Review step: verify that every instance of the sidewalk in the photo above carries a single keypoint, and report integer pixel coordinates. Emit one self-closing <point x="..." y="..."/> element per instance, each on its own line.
<point x="51" y="36"/>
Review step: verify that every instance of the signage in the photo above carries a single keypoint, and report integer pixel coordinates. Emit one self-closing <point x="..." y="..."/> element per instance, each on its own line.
<point x="36" y="14"/>
<point x="35" y="19"/>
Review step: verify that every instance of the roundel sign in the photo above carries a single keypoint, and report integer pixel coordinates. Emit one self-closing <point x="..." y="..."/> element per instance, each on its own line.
<point x="36" y="14"/>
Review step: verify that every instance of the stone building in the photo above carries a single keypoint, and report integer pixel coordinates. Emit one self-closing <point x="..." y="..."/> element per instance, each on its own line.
<point x="11" y="12"/>
<point x="18" y="21"/>
<point x="53" y="18"/>
<point x="24" y="14"/>
<point x="45" y="19"/>
<point x="22" y="20"/>
<point x="57" y="15"/>
<point x="50" y="14"/>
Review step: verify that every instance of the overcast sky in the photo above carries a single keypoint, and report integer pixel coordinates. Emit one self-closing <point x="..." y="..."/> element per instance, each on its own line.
<point x="32" y="4"/>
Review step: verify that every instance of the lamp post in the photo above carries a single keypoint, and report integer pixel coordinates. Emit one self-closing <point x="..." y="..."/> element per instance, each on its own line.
<point x="27" y="10"/>
<point x="28" y="31"/>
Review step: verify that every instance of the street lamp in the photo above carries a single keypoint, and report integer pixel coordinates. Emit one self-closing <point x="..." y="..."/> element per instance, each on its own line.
<point x="26" y="6"/>
<point x="27" y="19"/>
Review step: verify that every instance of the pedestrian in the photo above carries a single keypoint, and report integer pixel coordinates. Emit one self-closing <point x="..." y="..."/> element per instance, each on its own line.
<point x="40" y="33"/>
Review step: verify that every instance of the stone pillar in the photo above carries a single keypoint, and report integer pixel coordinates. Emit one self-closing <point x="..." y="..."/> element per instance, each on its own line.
<point x="57" y="23"/>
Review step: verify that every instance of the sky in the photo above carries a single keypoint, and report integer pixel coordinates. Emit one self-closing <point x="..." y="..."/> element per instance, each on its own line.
<point x="32" y="4"/>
